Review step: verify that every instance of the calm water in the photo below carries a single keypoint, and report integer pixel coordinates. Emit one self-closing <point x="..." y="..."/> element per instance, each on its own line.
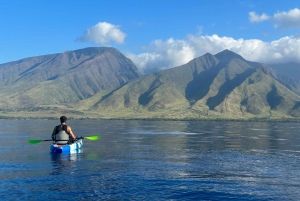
<point x="152" y="160"/>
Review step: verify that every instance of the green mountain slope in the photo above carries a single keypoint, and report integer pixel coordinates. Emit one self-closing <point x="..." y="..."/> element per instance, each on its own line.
<point x="212" y="86"/>
<point x="63" y="78"/>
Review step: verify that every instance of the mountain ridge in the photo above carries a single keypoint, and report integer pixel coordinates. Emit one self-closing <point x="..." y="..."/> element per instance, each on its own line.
<point x="103" y="83"/>
<point x="209" y="86"/>
<point x="82" y="73"/>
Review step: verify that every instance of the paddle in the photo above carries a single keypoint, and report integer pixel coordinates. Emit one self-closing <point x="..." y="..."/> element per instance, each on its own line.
<point x="95" y="137"/>
<point x="36" y="141"/>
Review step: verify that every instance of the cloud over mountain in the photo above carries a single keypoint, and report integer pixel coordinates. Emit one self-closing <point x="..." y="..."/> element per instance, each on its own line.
<point x="163" y="54"/>
<point x="289" y="19"/>
<point x="102" y="33"/>
<point x="170" y="53"/>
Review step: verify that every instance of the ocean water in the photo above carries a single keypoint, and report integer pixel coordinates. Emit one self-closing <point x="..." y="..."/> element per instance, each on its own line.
<point x="152" y="160"/>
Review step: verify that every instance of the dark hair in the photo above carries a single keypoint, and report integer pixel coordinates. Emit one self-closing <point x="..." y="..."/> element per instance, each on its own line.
<point x="63" y="119"/>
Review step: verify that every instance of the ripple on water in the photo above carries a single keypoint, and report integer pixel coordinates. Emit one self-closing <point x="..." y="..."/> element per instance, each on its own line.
<point x="158" y="161"/>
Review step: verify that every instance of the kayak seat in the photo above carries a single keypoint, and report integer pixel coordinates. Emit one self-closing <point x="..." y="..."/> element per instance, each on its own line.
<point x="60" y="144"/>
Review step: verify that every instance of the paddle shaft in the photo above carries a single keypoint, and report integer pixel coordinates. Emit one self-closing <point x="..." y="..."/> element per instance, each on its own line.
<point x="87" y="137"/>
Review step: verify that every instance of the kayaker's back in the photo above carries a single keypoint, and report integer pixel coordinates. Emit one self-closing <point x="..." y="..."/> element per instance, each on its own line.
<point x="62" y="137"/>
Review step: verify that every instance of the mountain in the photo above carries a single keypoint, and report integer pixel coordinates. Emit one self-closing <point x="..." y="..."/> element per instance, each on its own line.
<point x="290" y="69"/>
<point x="224" y="85"/>
<point x="64" y="77"/>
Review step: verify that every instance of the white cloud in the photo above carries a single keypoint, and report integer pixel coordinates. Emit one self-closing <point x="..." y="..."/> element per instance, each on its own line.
<point x="171" y="53"/>
<point x="163" y="54"/>
<point x="102" y="33"/>
<point x="290" y="19"/>
<point x="254" y="18"/>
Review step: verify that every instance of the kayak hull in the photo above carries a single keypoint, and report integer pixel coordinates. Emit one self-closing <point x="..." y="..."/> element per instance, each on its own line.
<point x="68" y="148"/>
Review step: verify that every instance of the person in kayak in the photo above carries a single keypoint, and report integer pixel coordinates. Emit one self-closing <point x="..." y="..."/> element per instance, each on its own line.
<point x="62" y="134"/>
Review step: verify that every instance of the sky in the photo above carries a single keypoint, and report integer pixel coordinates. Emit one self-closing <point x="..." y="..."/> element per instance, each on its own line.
<point x="154" y="34"/>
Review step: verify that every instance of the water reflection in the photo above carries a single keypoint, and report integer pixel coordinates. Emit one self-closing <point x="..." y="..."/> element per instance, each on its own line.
<point x="64" y="163"/>
<point x="214" y="135"/>
<point x="156" y="160"/>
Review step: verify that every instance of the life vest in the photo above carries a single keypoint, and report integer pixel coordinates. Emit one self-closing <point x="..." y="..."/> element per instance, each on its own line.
<point x="61" y="135"/>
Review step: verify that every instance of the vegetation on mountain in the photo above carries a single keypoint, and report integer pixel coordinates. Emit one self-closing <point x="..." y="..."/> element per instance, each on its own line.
<point x="103" y="83"/>
<point x="224" y="85"/>
<point x="63" y="78"/>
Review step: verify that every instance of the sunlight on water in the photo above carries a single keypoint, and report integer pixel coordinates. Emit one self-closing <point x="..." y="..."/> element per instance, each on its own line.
<point x="152" y="160"/>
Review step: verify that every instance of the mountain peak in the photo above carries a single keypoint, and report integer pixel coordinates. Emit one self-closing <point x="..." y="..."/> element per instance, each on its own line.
<point x="227" y="55"/>
<point x="94" y="50"/>
<point x="82" y="72"/>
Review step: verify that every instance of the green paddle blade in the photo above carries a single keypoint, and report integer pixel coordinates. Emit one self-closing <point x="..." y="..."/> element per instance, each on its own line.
<point x="37" y="141"/>
<point x="96" y="137"/>
<point x="34" y="141"/>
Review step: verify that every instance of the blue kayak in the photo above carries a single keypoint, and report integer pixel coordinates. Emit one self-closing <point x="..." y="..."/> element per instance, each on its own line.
<point x="68" y="148"/>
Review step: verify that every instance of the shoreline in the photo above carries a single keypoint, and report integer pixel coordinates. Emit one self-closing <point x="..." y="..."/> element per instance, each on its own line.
<point x="153" y="119"/>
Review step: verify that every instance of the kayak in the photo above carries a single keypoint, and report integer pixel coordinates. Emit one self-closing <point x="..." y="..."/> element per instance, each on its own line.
<point x="68" y="148"/>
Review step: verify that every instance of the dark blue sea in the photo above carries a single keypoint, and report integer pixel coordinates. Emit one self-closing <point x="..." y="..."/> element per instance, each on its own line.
<point x="152" y="160"/>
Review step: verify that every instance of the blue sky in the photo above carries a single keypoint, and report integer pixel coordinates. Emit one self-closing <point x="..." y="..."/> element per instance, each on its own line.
<point x="154" y="34"/>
